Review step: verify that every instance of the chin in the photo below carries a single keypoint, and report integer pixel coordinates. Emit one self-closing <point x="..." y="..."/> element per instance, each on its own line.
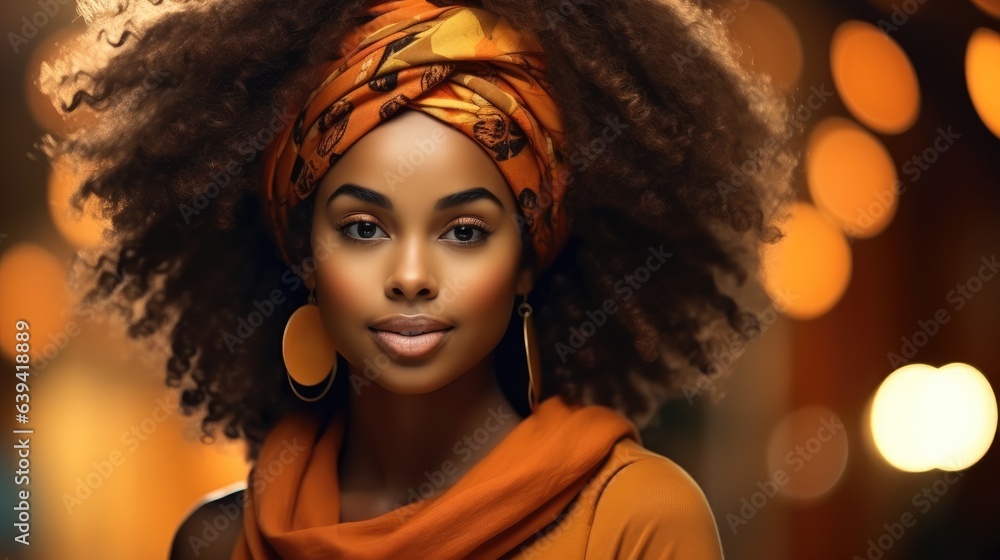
<point x="416" y="381"/>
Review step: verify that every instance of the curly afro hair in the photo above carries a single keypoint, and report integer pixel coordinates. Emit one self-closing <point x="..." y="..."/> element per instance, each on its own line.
<point x="676" y="151"/>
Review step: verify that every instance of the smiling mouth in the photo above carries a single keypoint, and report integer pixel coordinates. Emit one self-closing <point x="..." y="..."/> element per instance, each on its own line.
<point x="410" y="344"/>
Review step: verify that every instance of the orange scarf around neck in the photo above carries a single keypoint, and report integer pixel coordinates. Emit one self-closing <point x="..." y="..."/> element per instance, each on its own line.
<point x="292" y="507"/>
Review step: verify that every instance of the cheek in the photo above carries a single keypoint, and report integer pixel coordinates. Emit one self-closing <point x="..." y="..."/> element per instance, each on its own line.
<point x="344" y="294"/>
<point x="486" y="293"/>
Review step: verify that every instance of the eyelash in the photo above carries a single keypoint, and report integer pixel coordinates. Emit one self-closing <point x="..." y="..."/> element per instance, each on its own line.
<point x="468" y="222"/>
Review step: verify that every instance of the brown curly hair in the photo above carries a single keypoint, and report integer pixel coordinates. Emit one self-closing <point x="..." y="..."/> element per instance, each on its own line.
<point x="698" y="165"/>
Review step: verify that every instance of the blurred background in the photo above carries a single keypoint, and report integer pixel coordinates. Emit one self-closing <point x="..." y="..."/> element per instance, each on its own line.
<point x="858" y="424"/>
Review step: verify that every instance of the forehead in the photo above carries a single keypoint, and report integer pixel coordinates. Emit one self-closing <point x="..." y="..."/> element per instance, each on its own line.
<point x="415" y="158"/>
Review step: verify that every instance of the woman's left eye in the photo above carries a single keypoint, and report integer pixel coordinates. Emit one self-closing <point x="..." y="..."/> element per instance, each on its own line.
<point x="466" y="234"/>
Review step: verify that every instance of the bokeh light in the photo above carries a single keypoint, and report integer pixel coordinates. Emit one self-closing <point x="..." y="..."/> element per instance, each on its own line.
<point x="770" y="42"/>
<point x="851" y="177"/>
<point x="982" y="73"/>
<point x="810" y="447"/>
<point x="33" y="289"/>
<point x="924" y="417"/>
<point x="100" y="459"/>
<point x="874" y="77"/>
<point x="809" y="269"/>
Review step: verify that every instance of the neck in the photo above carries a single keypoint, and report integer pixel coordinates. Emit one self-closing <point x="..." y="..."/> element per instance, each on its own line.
<point x="402" y="447"/>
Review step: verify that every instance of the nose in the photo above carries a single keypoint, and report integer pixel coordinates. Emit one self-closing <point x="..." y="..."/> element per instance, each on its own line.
<point x="411" y="275"/>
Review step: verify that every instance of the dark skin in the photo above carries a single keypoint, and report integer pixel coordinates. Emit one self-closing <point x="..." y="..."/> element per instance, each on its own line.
<point x="459" y="263"/>
<point x="414" y="415"/>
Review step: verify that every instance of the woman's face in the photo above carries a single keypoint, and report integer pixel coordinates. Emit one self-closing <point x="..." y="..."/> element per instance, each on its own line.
<point x="416" y="219"/>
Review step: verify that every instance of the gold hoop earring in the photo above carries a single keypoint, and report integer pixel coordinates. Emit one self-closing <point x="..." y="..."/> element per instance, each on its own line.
<point x="531" y="352"/>
<point x="306" y="350"/>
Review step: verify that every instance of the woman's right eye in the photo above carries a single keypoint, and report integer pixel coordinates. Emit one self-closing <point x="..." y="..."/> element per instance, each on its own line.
<point x="360" y="231"/>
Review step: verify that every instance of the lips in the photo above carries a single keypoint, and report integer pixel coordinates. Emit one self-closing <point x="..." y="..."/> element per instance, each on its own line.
<point x="410" y="336"/>
<point x="410" y="324"/>
<point x="410" y="346"/>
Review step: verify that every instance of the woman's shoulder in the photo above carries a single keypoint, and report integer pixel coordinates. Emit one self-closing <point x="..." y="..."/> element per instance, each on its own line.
<point x="632" y="466"/>
<point x="650" y="504"/>
<point x="210" y="531"/>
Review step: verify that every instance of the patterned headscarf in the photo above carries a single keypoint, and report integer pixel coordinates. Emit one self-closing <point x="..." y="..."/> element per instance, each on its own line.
<point x="463" y="65"/>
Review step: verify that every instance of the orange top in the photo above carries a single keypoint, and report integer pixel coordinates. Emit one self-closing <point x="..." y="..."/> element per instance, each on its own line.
<point x="638" y="506"/>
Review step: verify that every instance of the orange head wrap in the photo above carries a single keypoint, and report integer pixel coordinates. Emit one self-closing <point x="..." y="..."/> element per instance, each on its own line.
<point x="463" y="65"/>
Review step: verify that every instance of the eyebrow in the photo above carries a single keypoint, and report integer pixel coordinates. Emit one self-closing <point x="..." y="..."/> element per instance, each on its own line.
<point x="443" y="203"/>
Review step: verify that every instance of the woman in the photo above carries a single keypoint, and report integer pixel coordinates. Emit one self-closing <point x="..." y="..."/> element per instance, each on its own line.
<point x="349" y="217"/>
